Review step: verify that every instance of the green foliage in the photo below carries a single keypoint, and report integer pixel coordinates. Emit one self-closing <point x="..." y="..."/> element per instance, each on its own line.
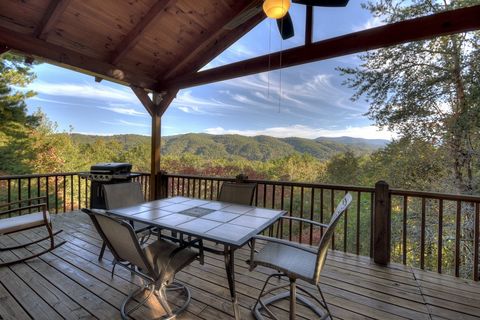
<point x="425" y="89"/>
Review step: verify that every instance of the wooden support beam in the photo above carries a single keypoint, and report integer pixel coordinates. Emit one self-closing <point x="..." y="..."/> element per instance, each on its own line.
<point x="205" y="40"/>
<point x="155" y="148"/>
<point x="142" y="95"/>
<point x="166" y="101"/>
<point x="440" y="24"/>
<point x="308" y="25"/>
<point x="132" y="38"/>
<point x="72" y="60"/>
<point x="382" y="224"/>
<point x="54" y="10"/>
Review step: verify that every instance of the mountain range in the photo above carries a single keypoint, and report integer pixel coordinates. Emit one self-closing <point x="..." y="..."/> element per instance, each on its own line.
<point x="261" y="148"/>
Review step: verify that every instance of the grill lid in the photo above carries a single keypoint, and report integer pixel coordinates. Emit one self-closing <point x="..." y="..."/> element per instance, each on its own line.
<point x="111" y="168"/>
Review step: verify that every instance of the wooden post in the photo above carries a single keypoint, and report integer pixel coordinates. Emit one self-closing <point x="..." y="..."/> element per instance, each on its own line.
<point x="162" y="185"/>
<point x="308" y="25"/>
<point x="155" y="147"/>
<point x="381" y="224"/>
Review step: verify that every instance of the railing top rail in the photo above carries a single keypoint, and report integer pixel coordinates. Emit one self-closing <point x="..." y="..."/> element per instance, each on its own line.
<point x="43" y="175"/>
<point x="280" y="183"/>
<point x="435" y="195"/>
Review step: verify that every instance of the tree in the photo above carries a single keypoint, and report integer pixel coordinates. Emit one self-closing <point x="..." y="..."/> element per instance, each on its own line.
<point x="15" y="123"/>
<point x="343" y="168"/>
<point x="428" y="89"/>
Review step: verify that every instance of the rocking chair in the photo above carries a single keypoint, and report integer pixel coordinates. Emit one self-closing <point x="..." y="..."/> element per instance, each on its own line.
<point x="27" y="221"/>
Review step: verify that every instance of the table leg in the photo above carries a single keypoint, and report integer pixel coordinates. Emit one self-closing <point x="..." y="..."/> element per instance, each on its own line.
<point x="229" y="255"/>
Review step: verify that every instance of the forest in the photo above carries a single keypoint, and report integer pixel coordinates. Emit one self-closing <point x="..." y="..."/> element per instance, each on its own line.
<point x="437" y="121"/>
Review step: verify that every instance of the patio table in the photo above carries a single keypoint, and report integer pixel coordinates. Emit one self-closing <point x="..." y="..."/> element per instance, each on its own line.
<point x="228" y="224"/>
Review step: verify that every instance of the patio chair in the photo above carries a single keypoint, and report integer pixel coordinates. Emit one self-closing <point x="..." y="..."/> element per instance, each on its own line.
<point x="295" y="261"/>
<point x="156" y="263"/>
<point x="237" y="192"/>
<point x="25" y="222"/>
<point x="125" y="195"/>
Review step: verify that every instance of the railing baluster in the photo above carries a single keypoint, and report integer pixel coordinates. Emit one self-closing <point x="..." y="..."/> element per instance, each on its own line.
<point x="71" y="192"/>
<point x="312" y="208"/>
<point x="64" y="194"/>
<point x="29" y="192"/>
<point x="79" y="181"/>
<point x="457" y="238"/>
<point x="291" y="214"/>
<point x="9" y="194"/>
<point x="321" y="211"/>
<point x="47" y="193"/>
<point x="476" y="241"/>
<point x="86" y="194"/>
<point x="273" y="196"/>
<point x="332" y="209"/>
<point x="372" y="199"/>
<point x="422" y="236"/>
<point x="282" y="203"/>
<point x="345" y="232"/>
<point x="440" y="236"/>
<point x="264" y="195"/>
<point x="56" y="194"/>
<point x="211" y="189"/>
<point x="357" y="235"/>
<point x="205" y="190"/>
<point x="404" y="231"/>
<point x="301" y="213"/>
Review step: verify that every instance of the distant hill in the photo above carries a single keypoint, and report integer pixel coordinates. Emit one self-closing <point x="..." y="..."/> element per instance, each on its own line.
<point x="260" y="148"/>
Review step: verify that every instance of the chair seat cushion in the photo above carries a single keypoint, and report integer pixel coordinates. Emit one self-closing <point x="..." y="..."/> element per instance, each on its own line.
<point x="23" y="222"/>
<point x="158" y="252"/>
<point x="294" y="262"/>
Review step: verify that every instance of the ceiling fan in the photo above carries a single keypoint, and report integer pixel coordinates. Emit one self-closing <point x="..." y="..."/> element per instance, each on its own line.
<point x="278" y="9"/>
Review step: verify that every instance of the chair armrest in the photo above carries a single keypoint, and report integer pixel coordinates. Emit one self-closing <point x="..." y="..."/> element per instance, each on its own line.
<point x="279" y="241"/>
<point x="318" y="224"/>
<point x="42" y="205"/>
<point x="285" y="242"/>
<point x="22" y="201"/>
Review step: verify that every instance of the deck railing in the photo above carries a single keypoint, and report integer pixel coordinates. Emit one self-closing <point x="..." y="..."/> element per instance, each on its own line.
<point x="64" y="191"/>
<point x="432" y="231"/>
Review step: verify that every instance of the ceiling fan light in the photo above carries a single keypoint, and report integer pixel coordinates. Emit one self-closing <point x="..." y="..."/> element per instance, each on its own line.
<point x="276" y="9"/>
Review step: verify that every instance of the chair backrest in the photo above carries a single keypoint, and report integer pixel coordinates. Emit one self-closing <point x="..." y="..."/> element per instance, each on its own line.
<point x="120" y="239"/>
<point x="327" y="236"/>
<point x="239" y="193"/>
<point x="122" y="194"/>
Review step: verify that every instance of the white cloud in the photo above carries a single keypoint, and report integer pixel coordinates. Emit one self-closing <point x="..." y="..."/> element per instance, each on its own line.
<point x="126" y="123"/>
<point x="89" y="91"/>
<point x="373" y="22"/>
<point x="125" y="111"/>
<point x="367" y="132"/>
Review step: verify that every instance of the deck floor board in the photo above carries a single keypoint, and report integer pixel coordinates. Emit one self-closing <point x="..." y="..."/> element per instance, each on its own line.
<point x="71" y="283"/>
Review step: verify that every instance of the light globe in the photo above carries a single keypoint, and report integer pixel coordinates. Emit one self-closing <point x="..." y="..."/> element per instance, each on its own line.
<point x="276" y="9"/>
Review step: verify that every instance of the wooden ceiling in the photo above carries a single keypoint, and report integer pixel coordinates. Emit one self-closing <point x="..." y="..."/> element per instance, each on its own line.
<point x="137" y="42"/>
<point x="160" y="45"/>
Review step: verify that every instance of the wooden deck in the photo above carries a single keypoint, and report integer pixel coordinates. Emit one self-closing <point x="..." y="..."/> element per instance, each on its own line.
<point x="71" y="283"/>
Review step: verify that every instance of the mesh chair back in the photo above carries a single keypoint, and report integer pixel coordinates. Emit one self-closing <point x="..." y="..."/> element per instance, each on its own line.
<point x="123" y="194"/>
<point x="327" y="236"/>
<point x="239" y="193"/>
<point x="120" y="239"/>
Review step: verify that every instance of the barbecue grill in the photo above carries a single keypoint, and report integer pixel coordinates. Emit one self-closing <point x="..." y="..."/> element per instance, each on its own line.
<point x="106" y="173"/>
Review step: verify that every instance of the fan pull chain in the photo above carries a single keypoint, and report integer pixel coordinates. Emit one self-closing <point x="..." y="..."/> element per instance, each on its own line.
<point x="280" y="74"/>
<point x="269" y="56"/>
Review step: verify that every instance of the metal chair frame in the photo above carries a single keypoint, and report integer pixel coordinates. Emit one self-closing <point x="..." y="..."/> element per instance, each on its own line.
<point x="153" y="280"/>
<point x="320" y="252"/>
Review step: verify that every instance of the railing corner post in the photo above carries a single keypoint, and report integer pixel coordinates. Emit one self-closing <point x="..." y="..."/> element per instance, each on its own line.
<point x="382" y="224"/>
<point x="161" y="185"/>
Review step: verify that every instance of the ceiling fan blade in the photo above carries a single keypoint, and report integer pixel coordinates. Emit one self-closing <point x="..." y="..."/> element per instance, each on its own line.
<point x="285" y="26"/>
<point x="322" y="3"/>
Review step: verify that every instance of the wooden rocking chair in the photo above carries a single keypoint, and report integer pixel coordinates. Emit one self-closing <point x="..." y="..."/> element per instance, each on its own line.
<point x="27" y="221"/>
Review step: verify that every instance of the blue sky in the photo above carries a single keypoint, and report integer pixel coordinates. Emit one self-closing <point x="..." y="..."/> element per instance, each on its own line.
<point x="305" y="101"/>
